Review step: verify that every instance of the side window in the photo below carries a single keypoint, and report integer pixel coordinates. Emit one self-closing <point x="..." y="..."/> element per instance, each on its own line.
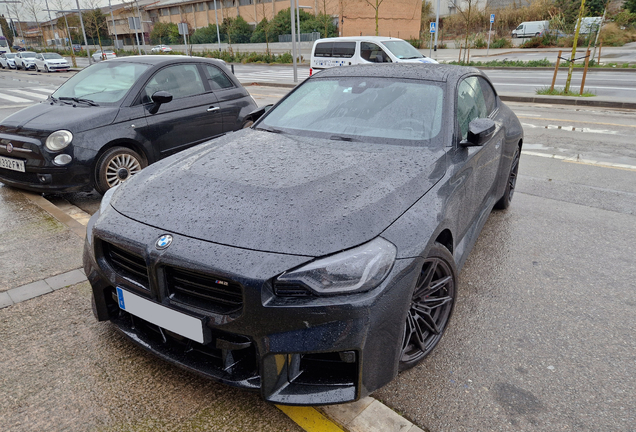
<point x="489" y="95"/>
<point x="344" y="49"/>
<point x="323" y="49"/>
<point x="470" y="103"/>
<point x="373" y="53"/>
<point x="178" y="80"/>
<point x="217" y="79"/>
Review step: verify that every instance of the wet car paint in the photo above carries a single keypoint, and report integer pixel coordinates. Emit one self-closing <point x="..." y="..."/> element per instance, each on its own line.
<point x="224" y="224"/>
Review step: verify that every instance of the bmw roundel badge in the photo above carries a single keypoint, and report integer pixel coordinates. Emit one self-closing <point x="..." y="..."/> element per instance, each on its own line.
<point x="164" y="241"/>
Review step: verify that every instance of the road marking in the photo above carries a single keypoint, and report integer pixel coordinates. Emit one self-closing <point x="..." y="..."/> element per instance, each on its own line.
<point x="309" y="419"/>
<point x="14" y="98"/>
<point x="30" y="94"/>
<point x="582" y="121"/>
<point x="577" y="160"/>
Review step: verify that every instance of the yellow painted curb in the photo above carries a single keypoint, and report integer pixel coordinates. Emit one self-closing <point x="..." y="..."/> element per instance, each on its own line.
<point x="309" y="419"/>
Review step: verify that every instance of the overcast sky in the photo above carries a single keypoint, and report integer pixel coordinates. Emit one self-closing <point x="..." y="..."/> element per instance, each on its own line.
<point x="53" y="4"/>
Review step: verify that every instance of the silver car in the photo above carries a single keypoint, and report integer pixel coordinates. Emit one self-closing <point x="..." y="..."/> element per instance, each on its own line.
<point x="51" y="62"/>
<point x="7" y="60"/>
<point x="25" y="60"/>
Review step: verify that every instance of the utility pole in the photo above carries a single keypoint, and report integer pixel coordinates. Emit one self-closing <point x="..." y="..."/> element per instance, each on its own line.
<point x="293" y="35"/>
<point x="112" y="17"/>
<point x="88" y="51"/>
<point x="218" y="35"/>
<point x="436" y="25"/>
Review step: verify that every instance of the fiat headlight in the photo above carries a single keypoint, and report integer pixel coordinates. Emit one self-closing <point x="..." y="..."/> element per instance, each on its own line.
<point x="359" y="269"/>
<point x="59" y="140"/>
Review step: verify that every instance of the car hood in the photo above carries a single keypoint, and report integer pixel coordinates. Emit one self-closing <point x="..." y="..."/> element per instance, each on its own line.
<point x="49" y="118"/>
<point x="280" y="193"/>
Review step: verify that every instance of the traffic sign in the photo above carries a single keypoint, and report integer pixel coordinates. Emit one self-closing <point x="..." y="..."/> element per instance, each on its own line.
<point x="432" y="27"/>
<point x="492" y="18"/>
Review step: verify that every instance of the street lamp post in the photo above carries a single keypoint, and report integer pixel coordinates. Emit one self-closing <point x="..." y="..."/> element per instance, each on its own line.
<point x="88" y="51"/>
<point x="112" y="17"/>
<point x="293" y="30"/>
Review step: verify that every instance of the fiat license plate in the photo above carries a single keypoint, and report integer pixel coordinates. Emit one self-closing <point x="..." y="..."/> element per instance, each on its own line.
<point x="164" y="317"/>
<point x="11" y="164"/>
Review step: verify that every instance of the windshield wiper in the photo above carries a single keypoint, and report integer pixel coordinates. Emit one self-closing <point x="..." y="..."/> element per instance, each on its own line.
<point x="272" y="130"/>
<point x="79" y="100"/>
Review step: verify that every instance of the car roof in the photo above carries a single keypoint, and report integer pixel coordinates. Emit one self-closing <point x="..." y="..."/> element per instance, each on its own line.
<point x="420" y="71"/>
<point x="163" y="59"/>
<point x="359" y="38"/>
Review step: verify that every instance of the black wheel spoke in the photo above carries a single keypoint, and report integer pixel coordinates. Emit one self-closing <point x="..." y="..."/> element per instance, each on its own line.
<point x="425" y="321"/>
<point x="430" y="308"/>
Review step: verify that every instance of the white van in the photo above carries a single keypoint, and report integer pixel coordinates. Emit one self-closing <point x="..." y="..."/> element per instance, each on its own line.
<point x="590" y="24"/>
<point x="531" y="29"/>
<point x="345" y="51"/>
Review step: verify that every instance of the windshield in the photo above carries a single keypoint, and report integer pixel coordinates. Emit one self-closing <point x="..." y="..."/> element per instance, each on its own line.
<point x="3" y="42"/>
<point x="377" y="110"/>
<point x="27" y="55"/>
<point x="51" y="56"/>
<point x="104" y="82"/>
<point x="402" y="49"/>
<point x="9" y="55"/>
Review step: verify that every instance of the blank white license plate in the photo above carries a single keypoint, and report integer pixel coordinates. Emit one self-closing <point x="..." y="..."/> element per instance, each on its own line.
<point x="12" y="164"/>
<point x="162" y="316"/>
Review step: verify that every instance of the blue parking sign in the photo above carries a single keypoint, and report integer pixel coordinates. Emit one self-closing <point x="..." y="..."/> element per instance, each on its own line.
<point x="492" y="18"/>
<point x="432" y="27"/>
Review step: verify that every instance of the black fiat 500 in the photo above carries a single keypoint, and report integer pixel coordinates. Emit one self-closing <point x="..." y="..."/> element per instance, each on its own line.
<point x="114" y="118"/>
<point x="314" y="255"/>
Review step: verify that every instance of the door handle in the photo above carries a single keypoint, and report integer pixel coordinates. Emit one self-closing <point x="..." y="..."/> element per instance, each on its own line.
<point x="212" y="109"/>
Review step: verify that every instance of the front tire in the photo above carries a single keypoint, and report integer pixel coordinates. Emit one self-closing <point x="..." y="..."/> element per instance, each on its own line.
<point x="116" y="166"/>
<point x="46" y="68"/>
<point x="506" y="199"/>
<point x="431" y="307"/>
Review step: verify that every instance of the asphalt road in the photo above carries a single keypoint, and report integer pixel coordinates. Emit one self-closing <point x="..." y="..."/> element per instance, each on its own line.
<point x="542" y="334"/>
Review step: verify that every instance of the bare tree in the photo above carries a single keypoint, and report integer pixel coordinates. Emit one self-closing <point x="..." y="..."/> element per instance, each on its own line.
<point x="32" y="8"/>
<point x="375" y="4"/>
<point x="468" y="10"/>
<point x="95" y="21"/>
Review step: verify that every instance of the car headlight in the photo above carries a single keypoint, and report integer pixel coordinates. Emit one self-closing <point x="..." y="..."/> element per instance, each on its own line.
<point x="359" y="269"/>
<point x="59" y="140"/>
<point x="108" y="195"/>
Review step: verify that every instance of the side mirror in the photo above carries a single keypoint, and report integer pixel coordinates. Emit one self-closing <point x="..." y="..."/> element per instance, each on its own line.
<point x="258" y="112"/>
<point x="479" y="131"/>
<point x="159" y="98"/>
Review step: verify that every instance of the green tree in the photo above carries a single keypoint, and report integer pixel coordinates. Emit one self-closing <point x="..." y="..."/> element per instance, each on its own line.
<point x="263" y="32"/>
<point x="237" y="29"/>
<point x="162" y="32"/>
<point x="204" y="35"/>
<point x="6" y="30"/>
<point x="95" y="25"/>
<point x="595" y="8"/>
<point x="630" y="5"/>
<point x="281" y="23"/>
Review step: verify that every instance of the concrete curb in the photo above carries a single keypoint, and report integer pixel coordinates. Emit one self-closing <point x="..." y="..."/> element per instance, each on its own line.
<point x="41" y="287"/>
<point x="368" y="415"/>
<point x="566" y="100"/>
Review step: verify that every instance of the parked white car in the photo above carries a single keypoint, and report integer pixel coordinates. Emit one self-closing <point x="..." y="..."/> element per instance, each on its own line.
<point x="51" y="62"/>
<point x="531" y="29"/>
<point x="346" y="51"/>
<point x="160" y="49"/>
<point x="25" y="60"/>
<point x="7" y="60"/>
<point x="104" y="55"/>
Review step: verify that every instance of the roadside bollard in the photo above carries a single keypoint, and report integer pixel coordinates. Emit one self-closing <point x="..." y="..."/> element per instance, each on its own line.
<point x="556" y="69"/>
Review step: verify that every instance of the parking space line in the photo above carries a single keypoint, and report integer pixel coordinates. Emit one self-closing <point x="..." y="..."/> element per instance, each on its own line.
<point x="309" y="419"/>
<point x="577" y="160"/>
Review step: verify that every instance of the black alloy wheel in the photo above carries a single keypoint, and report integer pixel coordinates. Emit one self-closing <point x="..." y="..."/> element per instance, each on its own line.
<point x="431" y="307"/>
<point x="116" y="166"/>
<point x="506" y="199"/>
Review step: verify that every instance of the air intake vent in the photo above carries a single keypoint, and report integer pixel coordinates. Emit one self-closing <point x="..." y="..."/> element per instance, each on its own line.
<point x="204" y="291"/>
<point x="127" y="264"/>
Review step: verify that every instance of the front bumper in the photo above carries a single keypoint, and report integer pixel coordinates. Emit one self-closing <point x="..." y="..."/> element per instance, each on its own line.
<point x="41" y="174"/>
<point x="294" y="350"/>
<point x="58" y="67"/>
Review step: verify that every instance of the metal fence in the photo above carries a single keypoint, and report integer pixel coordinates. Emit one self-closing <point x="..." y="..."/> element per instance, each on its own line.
<point x="304" y="37"/>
